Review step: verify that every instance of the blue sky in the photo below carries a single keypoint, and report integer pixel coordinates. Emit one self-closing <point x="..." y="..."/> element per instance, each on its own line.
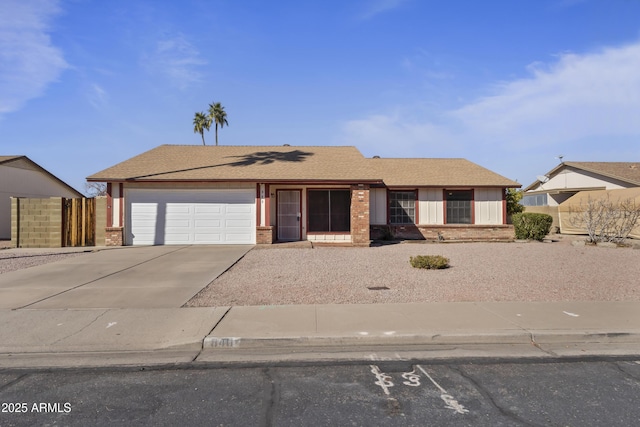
<point x="507" y="84"/>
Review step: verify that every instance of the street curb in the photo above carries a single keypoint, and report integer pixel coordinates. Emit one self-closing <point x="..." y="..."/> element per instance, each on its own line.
<point x="341" y="341"/>
<point x="462" y="339"/>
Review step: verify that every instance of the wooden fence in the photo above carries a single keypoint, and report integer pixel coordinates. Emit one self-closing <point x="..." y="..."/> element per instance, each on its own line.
<point x="79" y="222"/>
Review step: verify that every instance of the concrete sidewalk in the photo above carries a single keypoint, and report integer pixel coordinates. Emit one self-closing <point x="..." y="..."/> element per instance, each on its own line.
<point x="433" y="330"/>
<point x="316" y="333"/>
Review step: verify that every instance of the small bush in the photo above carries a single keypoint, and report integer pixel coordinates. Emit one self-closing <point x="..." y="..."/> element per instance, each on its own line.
<point x="531" y="226"/>
<point x="434" y="262"/>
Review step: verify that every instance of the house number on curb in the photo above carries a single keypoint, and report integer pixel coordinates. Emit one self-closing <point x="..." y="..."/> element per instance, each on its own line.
<point x="412" y="379"/>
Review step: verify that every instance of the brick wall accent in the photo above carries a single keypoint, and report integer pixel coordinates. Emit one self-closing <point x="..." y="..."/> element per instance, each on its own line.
<point x="113" y="236"/>
<point x="448" y="232"/>
<point x="360" y="232"/>
<point x="264" y="235"/>
<point x="36" y="223"/>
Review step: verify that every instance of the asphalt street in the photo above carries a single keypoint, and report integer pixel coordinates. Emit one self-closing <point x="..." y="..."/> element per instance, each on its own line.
<point x="378" y="393"/>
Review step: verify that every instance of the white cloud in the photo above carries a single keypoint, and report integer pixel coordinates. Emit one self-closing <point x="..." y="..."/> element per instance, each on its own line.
<point x="579" y="96"/>
<point x="581" y="100"/>
<point x="97" y="96"/>
<point x="177" y="59"/>
<point x="28" y="60"/>
<point x="376" y="7"/>
<point x="397" y="133"/>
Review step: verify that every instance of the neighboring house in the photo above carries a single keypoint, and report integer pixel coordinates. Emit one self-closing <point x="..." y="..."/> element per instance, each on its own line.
<point x="568" y="178"/>
<point x="178" y="194"/>
<point x="22" y="177"/>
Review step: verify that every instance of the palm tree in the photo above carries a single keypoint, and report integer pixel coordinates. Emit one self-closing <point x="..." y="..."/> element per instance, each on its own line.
<point x="200" y="123"/>
<point x="217" y="115"/>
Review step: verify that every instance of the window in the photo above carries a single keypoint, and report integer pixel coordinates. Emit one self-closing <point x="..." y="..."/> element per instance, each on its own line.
<point x="459" y="206"/>
<point x="402" y="207"/>
<point x="535" y="200"/>
<point x="329" y="210"/>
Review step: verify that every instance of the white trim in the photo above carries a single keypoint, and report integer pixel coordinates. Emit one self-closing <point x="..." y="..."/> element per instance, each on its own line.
<point x="263" y="213"/>
<point x="116" y="204"/>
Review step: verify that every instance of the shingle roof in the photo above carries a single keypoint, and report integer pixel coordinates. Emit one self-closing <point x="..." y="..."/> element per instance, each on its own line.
<point x="437" y="172"/>
<point x="295" y="163"/>
<point x="236" y="163"/>
<point x="623" y="171"/>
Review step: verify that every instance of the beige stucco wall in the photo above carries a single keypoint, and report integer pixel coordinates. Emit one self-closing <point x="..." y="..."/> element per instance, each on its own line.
<point x="549" y="210"/>
<point x="568" y="210"/>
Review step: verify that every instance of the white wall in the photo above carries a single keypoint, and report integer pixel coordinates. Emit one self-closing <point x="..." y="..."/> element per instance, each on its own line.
<point x="430" y="206"/>
<point x="20" y="182"/>
<point x="573" y="178"/>
<point x="488" y="206"/>
<point x="569" y="178"/>
<point x="378" y="206"/>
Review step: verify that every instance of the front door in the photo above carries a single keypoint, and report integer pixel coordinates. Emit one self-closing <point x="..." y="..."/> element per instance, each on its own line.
<point x="289" y="215"/>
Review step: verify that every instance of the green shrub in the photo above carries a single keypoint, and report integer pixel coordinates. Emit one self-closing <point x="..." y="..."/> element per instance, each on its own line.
<point x="531" y="226"/>
<point x="435" y="262"/>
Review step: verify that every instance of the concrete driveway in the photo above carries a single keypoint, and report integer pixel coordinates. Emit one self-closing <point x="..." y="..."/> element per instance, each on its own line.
<point x="127" y="277"/>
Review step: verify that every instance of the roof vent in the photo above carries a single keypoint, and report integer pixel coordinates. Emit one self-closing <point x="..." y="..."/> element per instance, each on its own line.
<point x="286" y="145"/>
<point x="376" y="157"/>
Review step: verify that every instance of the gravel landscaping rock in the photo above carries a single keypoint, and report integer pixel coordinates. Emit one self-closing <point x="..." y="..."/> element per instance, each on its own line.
<point x="11" y="260"/>
<point x="524" y="272"/>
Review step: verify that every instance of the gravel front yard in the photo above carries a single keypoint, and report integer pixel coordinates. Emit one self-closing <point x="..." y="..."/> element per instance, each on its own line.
<point x="12" y="261"/>
<point x="479" y="272"/>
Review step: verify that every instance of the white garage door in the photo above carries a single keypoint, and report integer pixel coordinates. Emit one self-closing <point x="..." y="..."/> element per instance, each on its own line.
<point x="185" y="217"/>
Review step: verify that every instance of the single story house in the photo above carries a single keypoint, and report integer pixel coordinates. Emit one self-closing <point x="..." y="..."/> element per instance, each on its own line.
<point x="179" y="194"/>
<point x="22" y="177"/>
<point x="568" y="178"/>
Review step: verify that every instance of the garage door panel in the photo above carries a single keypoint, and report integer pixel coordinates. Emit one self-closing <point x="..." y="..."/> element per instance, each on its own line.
<point x="238" y="209"/>
<point x="238" y="223"/>
<point x="190" y="216"/>
<point x="174" y="208"/>
<point x="208" y="209"/>
<point x="208" y="223"/>
<point x="178" y="223"/>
